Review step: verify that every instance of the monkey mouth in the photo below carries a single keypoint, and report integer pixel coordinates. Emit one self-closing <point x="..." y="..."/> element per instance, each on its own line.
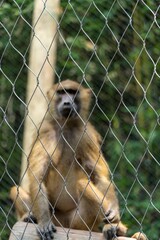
<point x="68" y="112"/>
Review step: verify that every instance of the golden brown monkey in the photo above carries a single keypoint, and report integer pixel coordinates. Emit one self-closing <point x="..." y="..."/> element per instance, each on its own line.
<point x="69" y="179"/>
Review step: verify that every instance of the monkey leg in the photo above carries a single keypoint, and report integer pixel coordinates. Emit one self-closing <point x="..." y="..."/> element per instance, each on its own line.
<point x="22" y="202"/>
<point x="92" y="209"/>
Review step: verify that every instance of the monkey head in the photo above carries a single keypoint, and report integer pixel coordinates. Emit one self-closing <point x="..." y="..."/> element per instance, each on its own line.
<point x="69" y="100"/>
<point x="68" y="104"/>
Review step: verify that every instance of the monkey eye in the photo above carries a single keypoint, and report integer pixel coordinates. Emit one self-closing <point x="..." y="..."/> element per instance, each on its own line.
<point x="72" y="91"/>
<point x="60" y="92"/>
<point x="69" y="91"/>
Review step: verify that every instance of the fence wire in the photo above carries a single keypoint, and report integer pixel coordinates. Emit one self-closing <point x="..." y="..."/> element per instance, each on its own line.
<point x="113" y="49"/>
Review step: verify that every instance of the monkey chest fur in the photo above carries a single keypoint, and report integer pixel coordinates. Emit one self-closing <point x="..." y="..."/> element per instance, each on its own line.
<point x="62" y="184"/>
<point x="63" y="180"/>
<point x="69" y="165"/>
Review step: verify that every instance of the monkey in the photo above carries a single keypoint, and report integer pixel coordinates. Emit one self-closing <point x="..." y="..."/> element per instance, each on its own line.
<point x="69" y="178"/>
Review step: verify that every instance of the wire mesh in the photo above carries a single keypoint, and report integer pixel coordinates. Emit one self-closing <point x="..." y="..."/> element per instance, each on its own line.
<point x="113" y="49"/>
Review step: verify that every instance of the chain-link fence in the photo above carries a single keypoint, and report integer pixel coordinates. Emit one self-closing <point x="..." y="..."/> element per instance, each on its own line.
<point x="112" y="47"/>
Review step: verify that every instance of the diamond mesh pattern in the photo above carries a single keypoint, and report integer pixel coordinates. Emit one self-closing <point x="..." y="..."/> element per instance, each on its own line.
<point x="112" y="47"/>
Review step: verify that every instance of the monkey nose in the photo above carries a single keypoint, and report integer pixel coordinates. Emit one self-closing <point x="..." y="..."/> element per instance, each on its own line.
<point x="67" y="104"/>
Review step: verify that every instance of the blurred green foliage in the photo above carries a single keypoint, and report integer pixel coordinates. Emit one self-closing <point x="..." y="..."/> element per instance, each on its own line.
<point x="113" y="48"/>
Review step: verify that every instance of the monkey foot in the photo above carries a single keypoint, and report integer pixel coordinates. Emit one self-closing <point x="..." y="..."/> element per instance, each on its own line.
<point x="139" y="236"/>
<point x="111" y="231"/>
<point x="47" y="232"/>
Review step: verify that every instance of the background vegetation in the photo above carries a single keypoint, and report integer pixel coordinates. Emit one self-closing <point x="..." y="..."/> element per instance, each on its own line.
<point x="113" y="47"/>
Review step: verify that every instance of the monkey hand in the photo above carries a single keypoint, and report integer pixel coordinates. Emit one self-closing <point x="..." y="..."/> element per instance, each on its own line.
<point x="111" y="216"/>
<point x="112" y="230"/>
<point x="46" y="232"/>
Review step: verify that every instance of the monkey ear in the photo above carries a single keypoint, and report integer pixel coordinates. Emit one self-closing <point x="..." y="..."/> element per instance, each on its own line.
<point x="48" y="94"/>
<point x="86" y="94"/>
<point x="88" y="91"/>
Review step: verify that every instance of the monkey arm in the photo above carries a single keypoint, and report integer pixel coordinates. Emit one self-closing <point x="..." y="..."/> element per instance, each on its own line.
<point x="98" y="170"/>
<point x="40" y="205"/>
<point x="100" y="176"/>
<point x="110" y="201"/>
<point x="41" y="212"/>
<point x="39" y="163"/>
<point x="38" y="168"/>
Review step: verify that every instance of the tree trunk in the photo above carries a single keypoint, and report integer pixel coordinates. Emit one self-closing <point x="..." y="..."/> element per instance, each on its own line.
<point x="41" y="72"/>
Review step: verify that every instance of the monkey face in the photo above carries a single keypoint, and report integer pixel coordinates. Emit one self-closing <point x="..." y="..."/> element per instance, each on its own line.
<point x="68" y="100"/>
<point x="68" y="104"/>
